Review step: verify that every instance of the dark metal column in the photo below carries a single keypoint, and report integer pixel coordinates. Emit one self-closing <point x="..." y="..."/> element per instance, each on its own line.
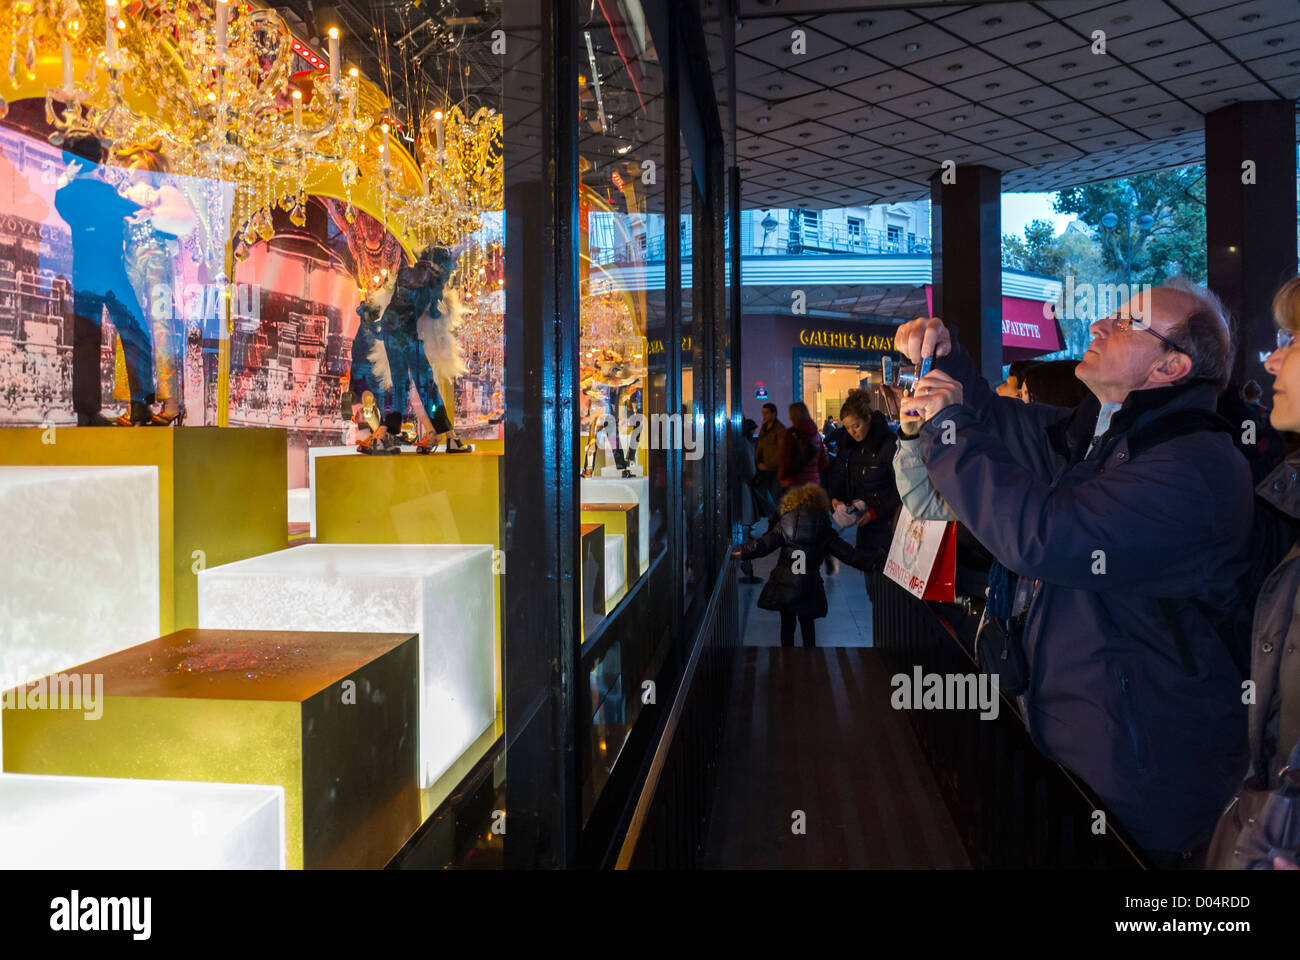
<point x="1250" y="227"/>
<point x="966" y="224"/>
<point x="540" y="527"/>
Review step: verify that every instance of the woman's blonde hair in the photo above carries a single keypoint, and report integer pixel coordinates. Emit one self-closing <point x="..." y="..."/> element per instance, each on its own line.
<point x="808" y="495"/>
<point x="146" y="156"/>
<point x="1286" y="305"/>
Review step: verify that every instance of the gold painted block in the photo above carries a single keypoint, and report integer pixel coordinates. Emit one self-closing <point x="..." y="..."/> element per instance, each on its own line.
<point x="409" y="498"/>
<point x="331" y="717"/>
<point x="221" y="493"/>
<point x="621" y="519"/>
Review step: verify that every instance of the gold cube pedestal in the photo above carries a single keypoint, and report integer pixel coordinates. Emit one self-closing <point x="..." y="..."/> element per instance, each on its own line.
<point x="221" y="493"/>
<point x="620" y="519"/>
<point x="331" y="717"/>
<point x="409" y="498"/>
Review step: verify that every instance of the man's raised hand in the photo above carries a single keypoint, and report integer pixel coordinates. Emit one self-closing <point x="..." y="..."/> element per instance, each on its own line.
<point x="923" y="337"/>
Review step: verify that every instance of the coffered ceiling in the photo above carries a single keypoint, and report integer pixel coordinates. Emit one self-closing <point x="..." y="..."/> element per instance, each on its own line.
<point x="882" y="96"/>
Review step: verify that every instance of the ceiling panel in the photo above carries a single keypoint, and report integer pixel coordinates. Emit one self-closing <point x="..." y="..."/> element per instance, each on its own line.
<point x="883" y="86"/>
<point x="876" y="106"/>
<point x="981" y="23"/>
<point x="1100" y="83"/>
<point x="776" y="47"/>
<point x="1247" y="17"/>
<point x="1120" y="19"/>
<point x="1157" y="42"/>
<point x="862" y="27"/>
<point x="840" y="68"/>
<point x="959" y="63"/>
<point x="913" y="45"/>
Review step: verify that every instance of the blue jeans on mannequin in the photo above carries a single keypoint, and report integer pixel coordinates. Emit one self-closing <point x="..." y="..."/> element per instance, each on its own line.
<point x="87" y="342"/>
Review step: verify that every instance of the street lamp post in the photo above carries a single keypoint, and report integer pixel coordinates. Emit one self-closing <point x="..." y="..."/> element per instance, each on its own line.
<point x="1143" y="221"/>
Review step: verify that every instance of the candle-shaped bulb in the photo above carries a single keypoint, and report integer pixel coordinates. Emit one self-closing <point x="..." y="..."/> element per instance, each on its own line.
<point x="223" y="24"/>
<point x="110" y="28"/>
<point x="437" y="122"/>
<point x="334" y="56"/>
<point x="297" y="109"/>
<point x="67" y="65"/>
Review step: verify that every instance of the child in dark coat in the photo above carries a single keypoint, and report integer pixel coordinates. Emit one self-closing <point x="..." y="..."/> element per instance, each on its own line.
<point x="805" y="536"/>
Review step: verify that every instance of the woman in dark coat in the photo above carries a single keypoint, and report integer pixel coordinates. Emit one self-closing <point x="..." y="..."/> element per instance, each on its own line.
<point x="863" y="476"/>
<point x="804" y="536"/>
<point x="803" y="455"/>
<point x="1250" y="834"/>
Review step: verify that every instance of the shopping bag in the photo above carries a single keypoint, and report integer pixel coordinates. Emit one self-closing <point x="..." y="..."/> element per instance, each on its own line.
<point x="923" y="557"/>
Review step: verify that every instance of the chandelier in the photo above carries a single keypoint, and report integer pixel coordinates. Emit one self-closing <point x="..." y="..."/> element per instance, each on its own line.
<point x="459" y="176"/>
<point x="212" y="82"/>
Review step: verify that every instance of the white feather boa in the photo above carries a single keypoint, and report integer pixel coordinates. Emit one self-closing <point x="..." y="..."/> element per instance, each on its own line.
<point x="438" y="334"/>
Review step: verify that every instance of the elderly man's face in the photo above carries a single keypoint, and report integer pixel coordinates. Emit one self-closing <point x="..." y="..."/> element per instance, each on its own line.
<point x="1120" y="361"/>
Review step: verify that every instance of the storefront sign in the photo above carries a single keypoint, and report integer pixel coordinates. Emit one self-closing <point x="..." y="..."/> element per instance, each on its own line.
<point x="657" y="346"/>
<point x="844" y="340"/>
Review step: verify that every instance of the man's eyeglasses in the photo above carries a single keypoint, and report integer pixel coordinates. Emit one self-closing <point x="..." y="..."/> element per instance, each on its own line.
<point x="1126" y="323"/>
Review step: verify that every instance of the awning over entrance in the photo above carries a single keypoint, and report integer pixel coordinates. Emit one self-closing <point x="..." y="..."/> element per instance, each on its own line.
<point x="1026" y="333"/>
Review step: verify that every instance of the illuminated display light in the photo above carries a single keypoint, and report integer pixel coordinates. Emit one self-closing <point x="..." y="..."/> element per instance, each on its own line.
<point x="100" y="823"/>
<point x="443" y="592"/>
<point x="112" y="557"/>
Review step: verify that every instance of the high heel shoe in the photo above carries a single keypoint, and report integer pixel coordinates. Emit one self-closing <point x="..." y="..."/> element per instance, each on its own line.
<point x="137" y="415"/>
<point x="164" y="419"/>
<point x="456" y="445"/>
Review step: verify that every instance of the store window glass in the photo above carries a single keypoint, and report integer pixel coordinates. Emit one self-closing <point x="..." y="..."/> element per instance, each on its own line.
<point x="624" y="440"/>
<point x="285" y="225"/>
<point x="694" y="319"/>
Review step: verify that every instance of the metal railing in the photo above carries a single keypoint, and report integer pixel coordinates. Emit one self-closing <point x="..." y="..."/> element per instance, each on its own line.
<point x="837" y="238"/>
<point x="830" y="240"/>
<point x="668" y="827"/>
<point x="1013" y="807"/>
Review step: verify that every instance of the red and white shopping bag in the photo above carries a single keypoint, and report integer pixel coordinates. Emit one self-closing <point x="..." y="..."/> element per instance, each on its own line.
<point x="923" y="557"/>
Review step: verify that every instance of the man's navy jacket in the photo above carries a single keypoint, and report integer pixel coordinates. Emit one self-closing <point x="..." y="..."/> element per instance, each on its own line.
<point x="1150" y="716"/>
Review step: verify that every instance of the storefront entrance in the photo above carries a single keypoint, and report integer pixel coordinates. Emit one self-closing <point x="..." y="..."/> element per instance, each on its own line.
<point x="825" y="385"/>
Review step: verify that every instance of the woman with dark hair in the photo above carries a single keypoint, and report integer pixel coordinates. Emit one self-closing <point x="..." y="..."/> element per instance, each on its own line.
<point x="861" y="485"/>
<point x="803" y="455"/>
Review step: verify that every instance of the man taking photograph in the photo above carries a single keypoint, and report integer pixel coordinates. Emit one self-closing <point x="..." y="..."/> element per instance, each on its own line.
<point x="1130" y="516"/>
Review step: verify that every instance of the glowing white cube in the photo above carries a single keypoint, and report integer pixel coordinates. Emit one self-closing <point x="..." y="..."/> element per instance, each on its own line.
<point x="624" y="490"/>
<point x="615" y="567"/>
<point x="442" y="592"/>
<point x="79" y="567"/>
<point x="94" y="823"/>
<point x="300" y="505"/>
